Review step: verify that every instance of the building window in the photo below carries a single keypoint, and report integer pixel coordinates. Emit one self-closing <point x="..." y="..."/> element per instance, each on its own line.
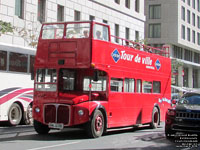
<point x="77" y="15"/>
<point x="198" y="5"/>
<point x="178" y="51"/>
<point x="188" y="16"/>
<point x="137" y="35"/>
<point x="183" y="1"/>
<point x="105" y="21"/>
<point x="183" y="32"/>
<point x="91" y="17"/>
<point x="127" y="3"/>
<point x="3" y="60"/>
<point x="183" y="13"/>
<point x="188" y="55"/>
<point x="188" y="2"/>
<point x="116" y="33"/>
<point x="197" y="58"/>
<point x="155" y="30"/>
<point x="198" y="38"/>
<point x="193" y="36"/>
<point x="193" y="4"/>
<point x="188" y="34"/>
<point x="154" y="11"/>
<point x="193" y="19"/>
<point x="117" y="1"/>
<point x="198" y="22"/>
<point x="19" y="8"/>
<point x="195" y="78"/>
<point x="41" y="10"/>
<point x="137" y="5"/>
<point x="127" y="32"/>
<point x="60" y="13"/>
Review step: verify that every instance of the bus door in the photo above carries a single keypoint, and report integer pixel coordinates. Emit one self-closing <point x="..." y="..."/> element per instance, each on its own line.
<point x="116" y="105"/>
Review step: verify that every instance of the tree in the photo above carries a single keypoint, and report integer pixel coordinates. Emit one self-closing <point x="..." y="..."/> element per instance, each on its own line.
<point x="5" y="27"/>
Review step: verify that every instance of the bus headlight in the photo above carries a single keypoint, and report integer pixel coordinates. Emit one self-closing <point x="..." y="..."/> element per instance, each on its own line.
<point x="37" y="109"/>
<point x="81" y="112"/>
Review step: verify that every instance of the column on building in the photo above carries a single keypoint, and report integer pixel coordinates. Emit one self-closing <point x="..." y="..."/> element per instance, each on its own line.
<point x="180" y="76"/>
<point x="190" y="77"/>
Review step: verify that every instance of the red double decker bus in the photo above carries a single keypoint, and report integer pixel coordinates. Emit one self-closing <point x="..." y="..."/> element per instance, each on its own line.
<point x="83" y="78"/>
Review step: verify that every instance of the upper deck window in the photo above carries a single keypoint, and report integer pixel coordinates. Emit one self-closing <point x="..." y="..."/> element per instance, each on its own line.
<point x="78" y="30"/>
<point x="53" y="31"/>
<point x="100" y="32"/>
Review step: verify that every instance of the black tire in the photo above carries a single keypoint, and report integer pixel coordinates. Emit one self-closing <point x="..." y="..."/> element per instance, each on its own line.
<point x="28" y="119"/>
<point x="40" y="128"/>
<point x="14" y="114"/>
<point x="155" y="118"/>
<point x="95" y="127"/>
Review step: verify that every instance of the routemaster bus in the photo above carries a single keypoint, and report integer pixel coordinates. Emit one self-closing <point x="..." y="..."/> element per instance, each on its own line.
<point x="86" y="77"/>
<point x="16" y="87"/>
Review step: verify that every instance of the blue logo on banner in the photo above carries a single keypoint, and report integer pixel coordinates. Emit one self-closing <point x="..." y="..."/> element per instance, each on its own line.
<point x="115" y="55"/>
<point x="157" y="64"/>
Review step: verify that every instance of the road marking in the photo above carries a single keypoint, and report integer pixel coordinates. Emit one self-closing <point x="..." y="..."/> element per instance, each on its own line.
<point x="52" y="146"/>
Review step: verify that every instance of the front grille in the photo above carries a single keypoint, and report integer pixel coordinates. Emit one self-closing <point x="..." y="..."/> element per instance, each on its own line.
<point x="190" y="115"/>
<point x="57" y="113"/>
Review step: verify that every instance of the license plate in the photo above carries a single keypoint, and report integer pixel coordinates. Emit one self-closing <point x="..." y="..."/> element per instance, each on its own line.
<point x="56" y="125"/>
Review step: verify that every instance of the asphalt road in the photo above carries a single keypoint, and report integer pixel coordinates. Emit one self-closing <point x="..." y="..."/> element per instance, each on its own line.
<point x="143" y="138"/>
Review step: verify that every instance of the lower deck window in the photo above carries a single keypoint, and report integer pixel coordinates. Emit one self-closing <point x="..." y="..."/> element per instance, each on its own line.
<point x="116" y="85"/>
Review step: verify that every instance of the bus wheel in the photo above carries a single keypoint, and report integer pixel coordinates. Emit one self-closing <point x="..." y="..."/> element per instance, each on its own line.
<point x="14" y="114"/>
<point x="40" y="128"/>
<point x="29" y="117"/>
<point x="155" y="118"/>
<point x="95" y="127"/>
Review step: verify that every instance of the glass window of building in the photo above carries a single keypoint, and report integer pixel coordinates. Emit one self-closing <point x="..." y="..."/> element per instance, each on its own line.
<point x="188" y="34"/>
<point x="188" y="55"/>
<point x="197" y="58"/>
<point x="117" y="33"/>
<point x="105" y="21"/>
<point x="41" y="10"/>
<point x="60" y="13"/>
<point x="198" y="38"/>
<point x="137" y="35"/>
<point x="188" y="16"/>
<point x="154" y="11"/>
<point x="198" y="22"/>
<point x="155" y="30"/>
<point x="195" y="78"/>
<point x="91" y="17"/>
<point x="178" y="51"/>
<point x="77" y="15"/>
<point x="193" y="4"/>
<point x="198" y="5"/>
<point x="193" y="19"/>
<point x="19" y="8"/>
<point x="193" y="36"/>
<point x="127" y="3"/>
<point x="183" y="13"/>
<point x="188" y="2"/>
<point x="117" y="1"/>
<point x="137" y="5"/>
<point x="183" y="32"/>
<point x="127" y="32"/>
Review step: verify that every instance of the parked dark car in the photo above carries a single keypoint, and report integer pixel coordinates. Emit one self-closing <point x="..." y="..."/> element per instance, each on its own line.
<point x="185" y="115"/>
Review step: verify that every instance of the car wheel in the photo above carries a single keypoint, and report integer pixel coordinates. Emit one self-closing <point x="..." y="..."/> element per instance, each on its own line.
<point x="95" y="127"/>
<point x="40" y="128"/>
<point x="14" y="114"/>
<point x="155" y="118"/>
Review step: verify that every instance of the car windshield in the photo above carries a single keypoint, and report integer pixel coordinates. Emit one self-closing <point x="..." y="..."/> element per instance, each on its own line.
<point x="190" y="99"/>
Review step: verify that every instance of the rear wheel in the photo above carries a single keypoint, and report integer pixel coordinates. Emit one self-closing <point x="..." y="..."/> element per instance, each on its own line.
<point x="40" y="128"/>
<point x="14" y="114"/>
<point x="95" y="127"/>
<point x="155" y="118"/>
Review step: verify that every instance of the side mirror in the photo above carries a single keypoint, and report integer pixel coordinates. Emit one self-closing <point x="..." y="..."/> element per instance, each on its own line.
<point x="174" y="101"/>
<point x="96" y="75"/>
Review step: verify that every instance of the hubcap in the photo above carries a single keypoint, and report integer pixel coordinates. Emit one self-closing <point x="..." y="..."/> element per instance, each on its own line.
<point x="15" y="114"/>
<point x="98" y="123"/>
<point x="156" y="117"/>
